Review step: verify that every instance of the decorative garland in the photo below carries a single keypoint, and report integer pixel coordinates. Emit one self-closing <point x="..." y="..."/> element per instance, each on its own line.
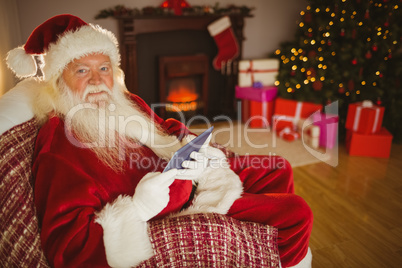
<point x="121" y="10"/>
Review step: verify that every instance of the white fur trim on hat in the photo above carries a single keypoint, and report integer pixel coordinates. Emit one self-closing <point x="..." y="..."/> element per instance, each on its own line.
<point x="125" y="236"/>
<point x="73" y="45"/>
<point x="21" y="63"/>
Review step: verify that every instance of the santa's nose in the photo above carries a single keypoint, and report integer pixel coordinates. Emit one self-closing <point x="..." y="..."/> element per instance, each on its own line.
<point x="95" y="78"/>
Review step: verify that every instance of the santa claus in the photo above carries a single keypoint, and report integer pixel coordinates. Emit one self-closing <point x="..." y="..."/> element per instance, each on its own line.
<point x="100" y="154"/>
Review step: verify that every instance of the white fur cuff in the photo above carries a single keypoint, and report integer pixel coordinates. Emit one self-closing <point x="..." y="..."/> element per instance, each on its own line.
<point x="125" y="236"/>
<point x="306" y="261"/>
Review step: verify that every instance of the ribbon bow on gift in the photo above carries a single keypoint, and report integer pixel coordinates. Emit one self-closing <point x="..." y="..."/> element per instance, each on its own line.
<point x="366" y="104"/>
<point x="288" y="134"/>
<point x="258" y="84"/>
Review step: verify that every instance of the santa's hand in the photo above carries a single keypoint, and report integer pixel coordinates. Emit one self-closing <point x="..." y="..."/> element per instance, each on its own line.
<point x="193" y="169"/>
<point x="210" y="152"/>
<point x="152" y="193"/>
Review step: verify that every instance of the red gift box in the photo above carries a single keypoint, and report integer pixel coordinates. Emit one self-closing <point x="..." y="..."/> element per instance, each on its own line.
<point x="288" y="134"/>
<point x="287" y="113"/>
<point x="257" y="104"/>
<point x="364" y="117"/>
<point x="260" y="113"/>
<point x="374" y="145"/>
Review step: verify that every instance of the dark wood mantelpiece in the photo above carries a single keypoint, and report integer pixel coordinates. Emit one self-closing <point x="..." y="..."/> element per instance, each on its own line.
<point x="130" y="27"/>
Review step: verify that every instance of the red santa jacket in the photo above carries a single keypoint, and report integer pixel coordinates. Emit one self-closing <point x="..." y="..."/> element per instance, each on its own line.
<point x="72" y="185"/>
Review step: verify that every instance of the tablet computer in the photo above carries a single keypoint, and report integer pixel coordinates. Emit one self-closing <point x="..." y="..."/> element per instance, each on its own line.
<point x="184" y="152"/>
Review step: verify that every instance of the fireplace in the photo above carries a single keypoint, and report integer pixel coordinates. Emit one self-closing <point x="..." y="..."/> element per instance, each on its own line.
<point x="145" y="40"/>
<point x="183" y="85"/>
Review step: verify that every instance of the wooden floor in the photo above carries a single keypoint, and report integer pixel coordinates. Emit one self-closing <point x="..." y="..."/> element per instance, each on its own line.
<point x="357" y="210"/>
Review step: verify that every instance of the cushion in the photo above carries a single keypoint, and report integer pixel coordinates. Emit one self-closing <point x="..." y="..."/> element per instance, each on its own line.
<point x="16" y="106"/>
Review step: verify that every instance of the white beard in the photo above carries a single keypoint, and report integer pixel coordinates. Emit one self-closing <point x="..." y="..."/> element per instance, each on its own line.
<point x="111" y="124"/>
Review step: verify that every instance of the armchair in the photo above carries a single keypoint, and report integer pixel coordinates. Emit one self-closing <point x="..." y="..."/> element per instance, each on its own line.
<point x="200" y="240"/>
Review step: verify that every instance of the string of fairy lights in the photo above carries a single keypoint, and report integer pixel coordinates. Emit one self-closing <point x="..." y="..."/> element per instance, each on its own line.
<point x="316" y="49"/>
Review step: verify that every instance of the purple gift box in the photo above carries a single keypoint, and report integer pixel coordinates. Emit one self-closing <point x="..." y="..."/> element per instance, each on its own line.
<point x="265" y="93"/>
<point x="328" y="124"/>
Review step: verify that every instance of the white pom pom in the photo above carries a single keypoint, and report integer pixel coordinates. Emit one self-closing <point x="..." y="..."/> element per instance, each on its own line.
<point x="21" y="63"/>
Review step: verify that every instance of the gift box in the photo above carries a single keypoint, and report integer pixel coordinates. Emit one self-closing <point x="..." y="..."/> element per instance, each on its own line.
<point x="260" y="114"/>
<point x="364" y="117"/>
<point x="310" y="133"/>
<point x="287" y="113"/>
<point x="257" y="104"/>
<point x="265" y="93"/>
<point x="328" y="124"/>
<point x="374" y="145"/>
<point x="261" y="70"/>
<point x="288" y="134"/>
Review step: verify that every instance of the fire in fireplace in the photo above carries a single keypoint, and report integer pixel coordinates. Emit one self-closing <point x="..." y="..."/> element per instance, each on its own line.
<point x="182" y="95"/>
<point x="183" y="83"/>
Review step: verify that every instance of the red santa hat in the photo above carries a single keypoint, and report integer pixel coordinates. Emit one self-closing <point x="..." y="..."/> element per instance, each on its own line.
<point x="60" y="40"/>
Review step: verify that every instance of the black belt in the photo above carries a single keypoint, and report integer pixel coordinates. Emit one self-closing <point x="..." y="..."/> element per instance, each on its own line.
<point x="187" y="204"/>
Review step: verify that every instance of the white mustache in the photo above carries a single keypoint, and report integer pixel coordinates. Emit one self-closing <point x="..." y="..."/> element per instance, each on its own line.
<point x="96" y="89"/>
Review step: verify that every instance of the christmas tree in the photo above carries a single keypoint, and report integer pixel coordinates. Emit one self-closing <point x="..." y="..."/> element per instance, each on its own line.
<point x="346" y="51"/>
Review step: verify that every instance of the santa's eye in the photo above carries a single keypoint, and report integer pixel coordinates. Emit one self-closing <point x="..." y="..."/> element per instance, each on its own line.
<point x="81" y="71"/>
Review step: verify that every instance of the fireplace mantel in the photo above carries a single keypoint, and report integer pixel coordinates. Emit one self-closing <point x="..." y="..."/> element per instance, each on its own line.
<point x="131" y="26"/>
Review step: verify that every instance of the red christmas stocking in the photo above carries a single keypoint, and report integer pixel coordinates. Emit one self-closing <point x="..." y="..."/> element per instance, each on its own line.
<point x="223" y="35"/>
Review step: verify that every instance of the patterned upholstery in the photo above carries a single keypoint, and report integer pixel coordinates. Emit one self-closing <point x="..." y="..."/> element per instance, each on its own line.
<point x="212" y="240"/>
<point x="202" y="240"/>
<point x="20" y="241"/>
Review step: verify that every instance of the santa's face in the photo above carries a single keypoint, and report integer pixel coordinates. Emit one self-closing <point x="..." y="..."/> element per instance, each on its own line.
<point x="90" y="77"/>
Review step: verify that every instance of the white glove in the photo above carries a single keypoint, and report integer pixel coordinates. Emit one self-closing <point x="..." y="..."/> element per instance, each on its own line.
<point x="206" y="157"/>
<point x="216" y="158"/>
<point x="152" y="193"/>
<point x="193" y="169"/>
<point x="218" y="185"/>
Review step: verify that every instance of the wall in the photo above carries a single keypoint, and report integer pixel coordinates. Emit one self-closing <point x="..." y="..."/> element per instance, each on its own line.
<point x="8" y="17"/>
<point x="274" y="21"/>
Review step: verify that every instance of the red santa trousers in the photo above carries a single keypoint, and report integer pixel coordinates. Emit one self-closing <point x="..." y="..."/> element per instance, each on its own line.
<point x="269" y="198"/>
